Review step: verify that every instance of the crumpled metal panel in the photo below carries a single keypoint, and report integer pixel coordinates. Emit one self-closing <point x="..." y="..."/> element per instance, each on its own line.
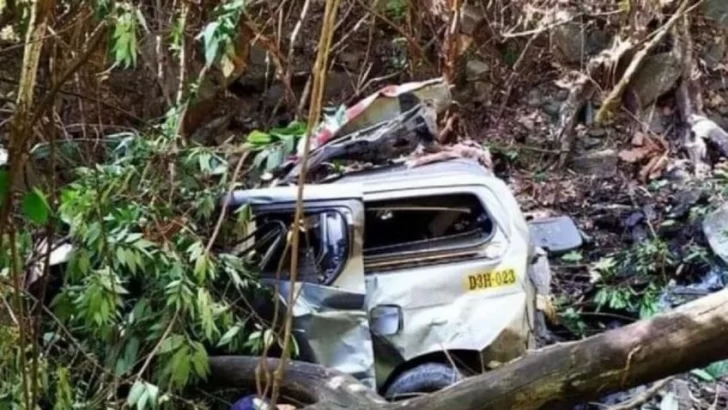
<point x="334" y="328"/>
<point x="376" y="108"/>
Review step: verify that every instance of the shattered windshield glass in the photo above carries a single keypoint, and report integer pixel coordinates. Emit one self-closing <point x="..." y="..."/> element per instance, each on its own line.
<point x="323" y="244"/>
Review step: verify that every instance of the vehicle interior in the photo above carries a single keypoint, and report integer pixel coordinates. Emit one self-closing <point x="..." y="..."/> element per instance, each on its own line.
<point x="422" y="226"/>
<point x="324" y="244"/>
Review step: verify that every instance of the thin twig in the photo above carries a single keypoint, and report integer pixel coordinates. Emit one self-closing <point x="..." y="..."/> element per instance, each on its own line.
<point x="226" y="203"/>
<point x="320" y="66"/>
<point x="94" y="41"/>
<point x="643" y="397"/>
<point x="292" y="46"/>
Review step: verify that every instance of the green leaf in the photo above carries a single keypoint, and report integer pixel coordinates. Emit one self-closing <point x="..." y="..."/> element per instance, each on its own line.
<point x="135" y="393"/>
<point x="718" y="369"/>
<point x="259" y="158"/>
<point x="142" y="403"/>
<point x="35" y="207"/>
<point x="295" y="128"/>
<point x="199" y="360"/>
<point x="259" y="138"/>
<point x="275" y="159"/>
<point x="210" y="43"/>
<point x="179" y="366"/>
<point x="152" y="393"/>
<point x="573" y="256"/>
<point x="228" y="336"/>
<point x="289" y="144"/>
<point x="126" y="362"/>
<point x="83" y="262"/>
<point x="201" y="265"/>
<point x="703" y="375"/>
<point x="171" y="343"/>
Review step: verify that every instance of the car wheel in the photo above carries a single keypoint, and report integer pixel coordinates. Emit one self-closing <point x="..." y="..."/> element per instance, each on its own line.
<point x="424" y="378"/>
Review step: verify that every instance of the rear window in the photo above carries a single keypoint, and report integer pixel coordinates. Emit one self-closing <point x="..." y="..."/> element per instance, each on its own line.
<point x="412" y="226"/>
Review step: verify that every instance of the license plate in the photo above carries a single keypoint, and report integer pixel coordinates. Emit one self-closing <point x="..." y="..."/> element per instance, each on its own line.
<point x="492" y="279"/>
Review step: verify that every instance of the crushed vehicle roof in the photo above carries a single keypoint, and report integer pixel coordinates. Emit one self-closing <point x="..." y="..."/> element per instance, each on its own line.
<point x="457" y="171"/>
<point x="400" y="172"/>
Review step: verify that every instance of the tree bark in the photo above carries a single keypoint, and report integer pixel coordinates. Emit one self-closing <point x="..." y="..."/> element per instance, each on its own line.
<point x="558" y="376"/>
<point x="308" y="383"/>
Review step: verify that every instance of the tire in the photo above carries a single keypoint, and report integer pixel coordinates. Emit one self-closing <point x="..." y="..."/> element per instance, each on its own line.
<point x="424" y="378"/>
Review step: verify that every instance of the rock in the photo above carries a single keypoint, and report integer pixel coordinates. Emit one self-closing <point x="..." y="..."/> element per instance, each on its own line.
<point x="720" y="120"/>
<point x="597" y="132"/>
<point x="483" y="92"/>
<point x="561" y="95"/>
<point x="475" y="69"/>
<point x="715" y="226"/>
<point x="681" y="390"/>
<point x="657" y="76"/>
<point x="677" y="172"/>
<point x="534" y="98"/>
<point x="714" y="53"/>
<point x="350" y="60"/>
<point x="470" y="18"/>
<point x="587" y="143"/>
<point x="716" y="10"/>
<point x="685" y="200"/>
<point x="553" y="108"/>
<point x="338" y="85"/>
<point x="568" y="39"/>
<point x="600" y="163"/>
<point x="597" y="41"/>
<point x="574" y="41"/>
<point x="658" y="123"/>
<point x="274" y="95"/>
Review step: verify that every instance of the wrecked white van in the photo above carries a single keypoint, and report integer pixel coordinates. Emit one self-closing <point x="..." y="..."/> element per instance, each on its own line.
<point x="409" y="278"/>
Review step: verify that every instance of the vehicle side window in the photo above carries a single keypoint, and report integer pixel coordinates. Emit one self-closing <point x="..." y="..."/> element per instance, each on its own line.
<point x="323" y="244"/>
<point x="408" y="227"/>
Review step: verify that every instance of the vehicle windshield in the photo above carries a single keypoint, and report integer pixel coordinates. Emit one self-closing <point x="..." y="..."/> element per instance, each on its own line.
<point x="323" y="245"/>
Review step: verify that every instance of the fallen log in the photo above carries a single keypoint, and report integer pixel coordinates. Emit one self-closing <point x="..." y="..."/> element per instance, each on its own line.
<point x="305" y="382"/>
<point x="561" y="375"/>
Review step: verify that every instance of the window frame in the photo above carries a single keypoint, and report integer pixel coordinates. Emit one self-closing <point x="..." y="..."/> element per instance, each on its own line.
<point x="308" y="208"/>
<point x="436" y="255"/>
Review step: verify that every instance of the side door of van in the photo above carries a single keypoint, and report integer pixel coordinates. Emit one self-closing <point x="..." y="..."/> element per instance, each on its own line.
<point x="330" y="320"/>
<point x="446" y="271"/>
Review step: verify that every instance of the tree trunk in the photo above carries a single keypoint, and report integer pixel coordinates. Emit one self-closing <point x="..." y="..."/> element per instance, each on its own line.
<point x="305" y="382"/>
<point x="561" y="375"/>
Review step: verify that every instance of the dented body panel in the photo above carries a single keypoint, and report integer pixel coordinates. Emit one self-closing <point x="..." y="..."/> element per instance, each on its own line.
<point x="401" y="307"/>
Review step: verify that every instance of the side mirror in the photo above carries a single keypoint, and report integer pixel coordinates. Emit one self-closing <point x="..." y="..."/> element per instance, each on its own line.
<point x="386" y="320"/>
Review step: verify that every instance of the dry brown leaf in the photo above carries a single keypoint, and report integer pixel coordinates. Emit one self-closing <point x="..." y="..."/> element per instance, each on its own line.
<point x="638" y="139"/>
<point x="464" y="43"/>
<point x="653" y="169"/>
<point x="634" y="154"/>
<point x="716" y="100"/>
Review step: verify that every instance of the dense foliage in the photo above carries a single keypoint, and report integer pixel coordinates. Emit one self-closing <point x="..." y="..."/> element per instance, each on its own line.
<point x="146" y="294"/>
